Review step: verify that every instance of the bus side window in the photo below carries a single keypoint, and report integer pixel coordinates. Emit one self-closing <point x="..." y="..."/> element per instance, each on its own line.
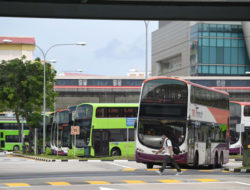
<point x="1" y="135"/>
<point x="130" y="112"/>
<point x="100" y="112"/>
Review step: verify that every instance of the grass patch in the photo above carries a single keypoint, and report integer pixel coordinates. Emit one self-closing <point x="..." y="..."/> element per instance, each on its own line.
<point x="55" y="157"/>
<point x="244" y="167"/>
<point x="238" y="156"/>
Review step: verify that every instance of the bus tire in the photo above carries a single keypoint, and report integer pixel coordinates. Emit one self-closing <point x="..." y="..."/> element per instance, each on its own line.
<point x="196" y="160"/>
<point x="150" y="165"/>
<point x="221" y="160"/>
<point x="16" y="148"/>
<point x="115" y="152"/>
<point x="216" y="163"/>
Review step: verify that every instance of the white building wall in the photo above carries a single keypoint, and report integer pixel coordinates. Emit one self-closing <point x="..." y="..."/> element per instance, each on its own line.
<point x="171" y="49"/>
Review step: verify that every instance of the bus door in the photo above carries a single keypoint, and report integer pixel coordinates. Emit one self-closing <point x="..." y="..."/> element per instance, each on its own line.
<point x="2" y="142"/>
<point x="191" y="141"/>
<point x="101" y="142"/>
<point x="208" y="134"/>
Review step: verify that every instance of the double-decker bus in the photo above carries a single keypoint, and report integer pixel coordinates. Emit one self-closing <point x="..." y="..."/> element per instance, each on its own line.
<point x="239" y="114"/>
<point x="59" y="132"/>
<point x="9" y="134"/>
<point x="106" y="129"/>
<point x="195" y="118"/>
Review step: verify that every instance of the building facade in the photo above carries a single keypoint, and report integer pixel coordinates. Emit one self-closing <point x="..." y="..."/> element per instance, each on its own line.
<point x="16" y="47"/>
<point x="73" y="89"/>
<point x="200" y="49"/>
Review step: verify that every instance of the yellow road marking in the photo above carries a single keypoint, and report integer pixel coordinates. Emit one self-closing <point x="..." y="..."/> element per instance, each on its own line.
<point x="206" y="170"/>
<point x="207" y="180"/>
<point x="181" y="170"/>
<point x="225" y="171"/>
<point x="153" y="169"/>
<point x="98" y="182"/>
<point x="58" y="183"/>
<point x="133" y="181"/>
<point x="128" y="169"/>
<point x="169" y="181"/>
<point x="17" y="184"/>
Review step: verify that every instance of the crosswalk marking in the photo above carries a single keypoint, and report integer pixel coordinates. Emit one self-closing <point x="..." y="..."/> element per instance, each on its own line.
<point x="128" y="169"/>
<point x="181" y="170"/>
<point x="133" y="181"/>
<point x="207" y="180"/>
<point x="98" y="182"/>
<point x="17" y="184"/>
<point x="169" y="181"/>
<point x="153" y="169"/>
<point x="57" y="183"/>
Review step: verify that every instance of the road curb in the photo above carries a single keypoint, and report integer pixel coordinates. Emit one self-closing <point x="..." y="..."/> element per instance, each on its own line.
<point x="34" y="157"/>
<point x="236" y="159"/>
<point x="66" y="160"/>
<point x="236" y="170"/>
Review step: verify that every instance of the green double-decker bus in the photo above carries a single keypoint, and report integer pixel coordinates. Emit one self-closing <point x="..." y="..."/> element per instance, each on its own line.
<point x="106" y="129"/>
<point x="9" y="134"/>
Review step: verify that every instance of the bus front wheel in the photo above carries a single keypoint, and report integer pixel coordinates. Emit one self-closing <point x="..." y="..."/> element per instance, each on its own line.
<point x="150" y="165"/>
<point x="115" y="152"/>
<point x="16" y="148"/>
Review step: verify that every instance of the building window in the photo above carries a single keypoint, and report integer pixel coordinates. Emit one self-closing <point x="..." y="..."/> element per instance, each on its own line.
<point x="221" y="50"/>
<point x="100" y="82"/>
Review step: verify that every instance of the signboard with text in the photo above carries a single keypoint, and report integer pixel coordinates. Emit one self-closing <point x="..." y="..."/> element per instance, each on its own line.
<point x="75" y="130"/>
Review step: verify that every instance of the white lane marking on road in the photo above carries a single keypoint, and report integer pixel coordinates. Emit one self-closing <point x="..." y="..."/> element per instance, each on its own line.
<point x="118" y="165"/>
<point x="120" y="160"/>
<point x="105" y="188"/>
<point x="242" y="183"/>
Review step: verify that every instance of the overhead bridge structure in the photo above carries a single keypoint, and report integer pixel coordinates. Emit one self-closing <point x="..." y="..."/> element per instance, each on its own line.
<point x="129" y="9"/>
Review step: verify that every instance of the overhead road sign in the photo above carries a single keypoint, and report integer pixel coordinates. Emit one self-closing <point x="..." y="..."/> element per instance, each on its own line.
<point x="129" y="9"/>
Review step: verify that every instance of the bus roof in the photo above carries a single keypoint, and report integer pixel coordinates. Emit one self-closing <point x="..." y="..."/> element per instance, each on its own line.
<point x="241" y="103"/>
<point x="111" y="104"/>
<point x="187" y="82"/>
<point x="62" y="110"/>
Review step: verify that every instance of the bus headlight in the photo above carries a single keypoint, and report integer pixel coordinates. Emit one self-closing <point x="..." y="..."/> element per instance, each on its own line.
<point x="139" y="150"/>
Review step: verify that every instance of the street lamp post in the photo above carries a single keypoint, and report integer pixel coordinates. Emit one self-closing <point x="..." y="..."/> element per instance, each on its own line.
<point x="146" y="64"/>
<point x="44" y="83"/>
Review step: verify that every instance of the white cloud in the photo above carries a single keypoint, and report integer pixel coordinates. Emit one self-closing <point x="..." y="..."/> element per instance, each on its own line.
<point x="115" y="49"/>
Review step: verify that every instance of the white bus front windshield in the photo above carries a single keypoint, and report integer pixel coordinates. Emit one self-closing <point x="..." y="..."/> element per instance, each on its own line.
<point x="83" y="120"/>
<point x="235" y="118"/>
<point x="163" y="109"/>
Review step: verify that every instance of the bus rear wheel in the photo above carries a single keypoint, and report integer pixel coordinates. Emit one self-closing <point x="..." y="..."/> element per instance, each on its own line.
<point x="196" y="161"/>
<point x="115" y="152"/>
<point x="221" y="160"/>
<point x="216" y="162"/>
<point x="150" y="165"/>
<point x="16" y="148"/>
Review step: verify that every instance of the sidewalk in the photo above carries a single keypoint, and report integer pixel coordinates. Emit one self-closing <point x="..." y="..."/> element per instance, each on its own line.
<point x="233" y="166"/>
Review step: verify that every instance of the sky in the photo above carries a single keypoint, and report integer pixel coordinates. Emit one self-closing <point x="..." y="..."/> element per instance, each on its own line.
<point x="113" y="46"/>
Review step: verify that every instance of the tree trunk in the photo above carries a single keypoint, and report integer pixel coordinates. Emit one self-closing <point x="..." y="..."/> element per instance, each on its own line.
<point x="19" y="125"/>
<point x="30" y="139"/>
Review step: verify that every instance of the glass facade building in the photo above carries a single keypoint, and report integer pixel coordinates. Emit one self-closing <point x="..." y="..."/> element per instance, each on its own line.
<point x="218" y="49"/>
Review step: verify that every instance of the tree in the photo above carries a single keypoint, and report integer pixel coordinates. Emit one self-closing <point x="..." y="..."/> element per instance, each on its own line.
<point x="21" y="90"/>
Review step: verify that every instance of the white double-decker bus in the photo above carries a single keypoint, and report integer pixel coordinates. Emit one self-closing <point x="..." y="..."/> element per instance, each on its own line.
<point x="195" y="118"/>
<point x="239" y="114"/>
